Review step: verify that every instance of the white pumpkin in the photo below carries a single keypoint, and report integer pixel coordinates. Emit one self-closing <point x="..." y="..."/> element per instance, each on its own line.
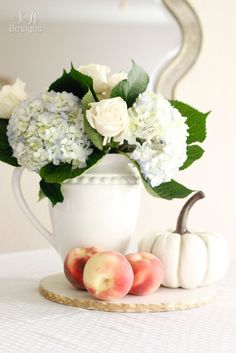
<point x="190" y="259"/>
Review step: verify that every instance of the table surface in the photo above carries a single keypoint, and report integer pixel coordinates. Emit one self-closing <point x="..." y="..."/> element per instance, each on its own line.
<point x="29" y="323"/>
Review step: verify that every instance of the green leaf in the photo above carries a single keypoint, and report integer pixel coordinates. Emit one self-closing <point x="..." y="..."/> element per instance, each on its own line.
<point x="6" y="156"/>
<point x="57" y="174"/>
<point x="170" y="190"/>
<point x="196" y="121"/>
<point x="194" y="152"/>
<point x="87" y="99"/>
<point x="73" y="82"/>
<point x="52" y="191"/>
<point x="4" y="144"/>
<point x="130" y="88"/>
<point x="84" y="80"/>
<point x="6" y="153"/>
<point x="93" y="134"/>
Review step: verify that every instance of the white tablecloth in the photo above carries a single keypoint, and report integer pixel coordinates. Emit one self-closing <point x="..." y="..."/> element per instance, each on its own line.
<point x="29" y="323"/>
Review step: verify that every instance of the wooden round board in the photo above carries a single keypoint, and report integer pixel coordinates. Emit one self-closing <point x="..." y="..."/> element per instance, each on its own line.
<point x="57" y="289"/>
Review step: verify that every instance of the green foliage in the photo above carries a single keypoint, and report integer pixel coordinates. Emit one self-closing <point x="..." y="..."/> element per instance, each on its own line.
<point x="196" y="121"/>
<point x="51" y="191"/>
<point x="87" y="99"/>
<point x="6" y="153"/>
<point x="130" y="88"/>
<point x="93" y="135"/>
<point x="194" y="152"/>
<point x="170" y="190"/>
<point x="4" y="144"/>
<point x="6" y="157"/>
<point x="58" y="173"/>
<point x="73" y="82"/>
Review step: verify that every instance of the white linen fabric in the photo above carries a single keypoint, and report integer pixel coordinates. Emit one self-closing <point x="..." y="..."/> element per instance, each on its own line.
<point x="29" y="323"/>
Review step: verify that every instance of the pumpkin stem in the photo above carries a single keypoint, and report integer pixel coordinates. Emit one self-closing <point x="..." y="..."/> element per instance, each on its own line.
<point x="181" y="227"/>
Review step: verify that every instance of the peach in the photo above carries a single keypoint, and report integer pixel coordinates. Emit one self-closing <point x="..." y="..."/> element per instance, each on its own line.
<point x="148" y="273"/>
<point x="108" y="275"/>
<point x="74" y="264"/>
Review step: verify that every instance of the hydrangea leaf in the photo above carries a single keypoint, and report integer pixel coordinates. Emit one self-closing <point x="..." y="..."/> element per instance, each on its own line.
<point x="194" y="152"/>
<point x="73" y="82"/>
<point x="93" y="134"/>
<point x="58" y="173"/>
<point x="130" y="88"/>
<point x="6" y="156"/>
<point x="51" y="191"/>
<point x="84" y="80"/>
<point x="87" y="99"/>
<point x="6" y="153"/>
<point x="4" y="144"/>
<point x="196" y="121"/>
<point x="169" y="191"/>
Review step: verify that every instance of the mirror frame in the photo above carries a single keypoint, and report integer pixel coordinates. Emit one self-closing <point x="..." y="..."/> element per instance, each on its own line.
<point x="191" y="44"/>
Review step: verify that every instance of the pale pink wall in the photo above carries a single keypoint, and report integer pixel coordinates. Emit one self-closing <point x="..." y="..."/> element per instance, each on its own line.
<point x="211" y="86"/>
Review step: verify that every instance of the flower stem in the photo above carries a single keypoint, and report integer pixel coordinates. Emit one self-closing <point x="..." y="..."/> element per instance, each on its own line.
<point x="181" y="227"/>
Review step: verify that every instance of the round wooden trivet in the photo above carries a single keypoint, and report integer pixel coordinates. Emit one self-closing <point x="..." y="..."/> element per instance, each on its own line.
<point x="57" y="289"/>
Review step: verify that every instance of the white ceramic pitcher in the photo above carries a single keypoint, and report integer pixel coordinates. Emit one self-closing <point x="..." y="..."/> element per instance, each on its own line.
<point x="100" y="207"/>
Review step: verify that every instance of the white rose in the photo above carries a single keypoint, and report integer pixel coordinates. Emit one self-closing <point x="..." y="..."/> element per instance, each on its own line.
<point x="110" y="118"/>
<point x="99" y="74"/>
<point x="10" y="96"/>
<point x="114" y="79"/>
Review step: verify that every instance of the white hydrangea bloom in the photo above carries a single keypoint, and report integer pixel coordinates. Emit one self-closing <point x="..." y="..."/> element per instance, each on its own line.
<point x="48" y="129"/>
<point x="162" y="133"/>
<point x="10" y="96"/>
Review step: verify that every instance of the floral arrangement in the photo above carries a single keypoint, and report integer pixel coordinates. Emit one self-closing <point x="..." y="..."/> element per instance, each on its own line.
<point x="87" y="113"/>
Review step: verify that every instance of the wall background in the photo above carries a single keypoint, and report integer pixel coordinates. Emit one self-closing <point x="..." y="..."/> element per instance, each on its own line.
<point x="208" y="86"/>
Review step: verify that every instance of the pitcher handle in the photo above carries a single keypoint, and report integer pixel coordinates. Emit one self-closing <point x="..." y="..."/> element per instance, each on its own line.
<point x="16" y="187"/>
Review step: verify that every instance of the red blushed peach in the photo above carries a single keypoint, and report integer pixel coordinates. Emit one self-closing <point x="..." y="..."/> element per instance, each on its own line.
<point x="108" y="275"/>
<point x="148" y="273"/>
<point x="75" y="262"/>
